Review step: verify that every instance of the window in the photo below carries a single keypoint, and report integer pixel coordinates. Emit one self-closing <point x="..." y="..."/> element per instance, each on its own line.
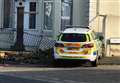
<point x="66" y="13"/>
<point x="48" y="14"/>
<point x="32" y="16"/>
<point x="73" y="37"/>
<point x="7" y="6"/>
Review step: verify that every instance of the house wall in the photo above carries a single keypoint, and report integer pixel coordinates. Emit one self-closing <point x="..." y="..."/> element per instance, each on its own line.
<point x="6" y="36"/>
<point x="1" y="13"/>
<point x="41" y="36"/>
<point x="107" y="22"/>
<point x="40" y="15"/>
<point x="101" y="15"/>
<point x="93" y="15"/>
<point x="81" y="12"/>
<point x="6" y="39"/>
<point x="57" y="18"/>
<point x="111" y="9"/>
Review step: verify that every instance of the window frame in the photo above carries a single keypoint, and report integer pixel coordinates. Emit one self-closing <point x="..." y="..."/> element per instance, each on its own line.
<point x="32" y="15"/>
<point x="48" y="25"/>
<point x="71" y="14"/>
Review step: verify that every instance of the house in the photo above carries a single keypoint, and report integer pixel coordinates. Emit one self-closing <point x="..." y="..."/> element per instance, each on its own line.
<point x="106" y="19"/>
<point x="44" y="19"/>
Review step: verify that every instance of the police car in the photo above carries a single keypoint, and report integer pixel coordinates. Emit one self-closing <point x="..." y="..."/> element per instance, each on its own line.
<point x="78" y="43"/>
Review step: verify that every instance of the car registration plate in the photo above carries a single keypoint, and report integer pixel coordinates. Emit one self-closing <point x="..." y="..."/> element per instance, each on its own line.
<point x="72" y="48"/>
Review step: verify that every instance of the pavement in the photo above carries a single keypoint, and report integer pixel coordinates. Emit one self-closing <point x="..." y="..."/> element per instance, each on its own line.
<point x="104" y="61"/>
<point x="113" y="60"/>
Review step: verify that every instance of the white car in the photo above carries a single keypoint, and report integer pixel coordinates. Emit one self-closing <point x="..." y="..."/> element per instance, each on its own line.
<point x="78" y="44"/>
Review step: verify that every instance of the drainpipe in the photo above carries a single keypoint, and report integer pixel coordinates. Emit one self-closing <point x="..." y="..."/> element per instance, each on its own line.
<point x="1" y="13"/>
<point x="103" y="24"/>
<point x="104" y="29"/>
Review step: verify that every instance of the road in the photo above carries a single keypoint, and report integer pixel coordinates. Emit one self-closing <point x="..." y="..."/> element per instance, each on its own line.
<point x="100" y="74"/>
<point x="11" y="79"/>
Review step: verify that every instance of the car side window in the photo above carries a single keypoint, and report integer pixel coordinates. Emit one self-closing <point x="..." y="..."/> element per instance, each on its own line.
<point x="93" y="35"/>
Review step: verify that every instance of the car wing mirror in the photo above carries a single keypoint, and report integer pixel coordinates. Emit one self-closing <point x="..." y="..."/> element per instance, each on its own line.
<point x="101" y="38"/>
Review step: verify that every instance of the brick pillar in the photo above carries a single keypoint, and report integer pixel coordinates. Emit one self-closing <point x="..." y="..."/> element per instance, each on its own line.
<point x="19" y="46"/>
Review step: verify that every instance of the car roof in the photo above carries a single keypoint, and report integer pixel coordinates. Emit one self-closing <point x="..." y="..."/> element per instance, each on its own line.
<point x="76" y="30"/>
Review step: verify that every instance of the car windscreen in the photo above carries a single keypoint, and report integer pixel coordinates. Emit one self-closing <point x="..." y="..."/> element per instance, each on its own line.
<point x="73" y="37"/>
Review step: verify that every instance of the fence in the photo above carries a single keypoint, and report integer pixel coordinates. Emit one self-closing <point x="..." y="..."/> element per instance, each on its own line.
<point x="32" y="40"/>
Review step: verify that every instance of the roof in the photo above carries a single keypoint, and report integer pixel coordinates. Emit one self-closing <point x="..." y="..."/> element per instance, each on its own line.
<point x="76" y="30"/>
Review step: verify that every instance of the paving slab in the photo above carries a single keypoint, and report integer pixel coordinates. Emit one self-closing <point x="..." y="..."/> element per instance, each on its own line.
<point x="109" y="61"/>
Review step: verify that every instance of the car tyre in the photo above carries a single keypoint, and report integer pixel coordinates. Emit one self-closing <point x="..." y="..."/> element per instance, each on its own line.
<point x="94" y="63"/>
<point x="56" y="63"/>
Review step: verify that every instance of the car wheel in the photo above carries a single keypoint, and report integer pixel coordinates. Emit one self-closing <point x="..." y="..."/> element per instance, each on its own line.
<point x="87" y="64"/>
<point x="56" y="63"/>
<point x="94" y="63"/>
